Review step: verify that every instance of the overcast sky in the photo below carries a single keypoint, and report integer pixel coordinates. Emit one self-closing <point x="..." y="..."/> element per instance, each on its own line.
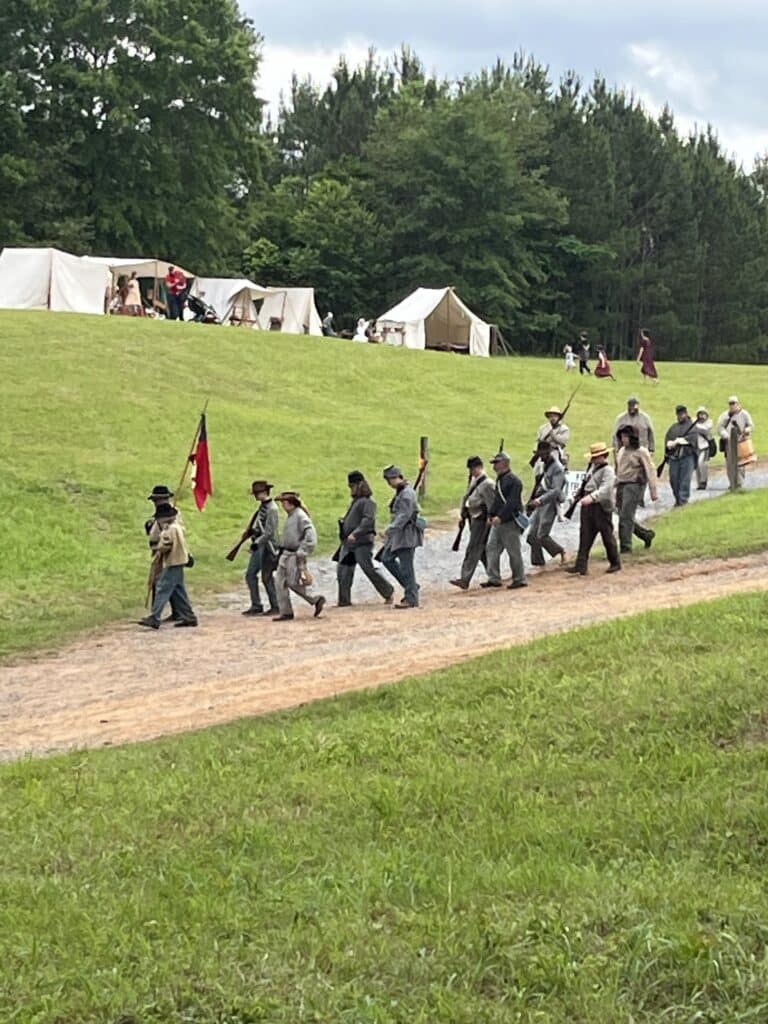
<point x="707" y="58"/>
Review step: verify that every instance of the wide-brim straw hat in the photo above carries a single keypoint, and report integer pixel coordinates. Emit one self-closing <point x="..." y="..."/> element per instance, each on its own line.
<point x="596" y="450"/>
<point x="553" y="410"/>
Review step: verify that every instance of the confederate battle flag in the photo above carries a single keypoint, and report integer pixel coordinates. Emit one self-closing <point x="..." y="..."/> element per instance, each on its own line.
<point x="202" y="467"/>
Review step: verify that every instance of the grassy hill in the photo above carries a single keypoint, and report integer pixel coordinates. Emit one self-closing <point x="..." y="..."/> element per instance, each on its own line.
<point x="96" y="411"/>
<point x="556" y="833"/>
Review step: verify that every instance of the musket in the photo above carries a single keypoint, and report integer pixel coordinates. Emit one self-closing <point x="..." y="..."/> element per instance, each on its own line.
<point x="232" y="553"/>
<point x="665" y="460"/>
<point x="580" y="493"/>
<point x="463" y="518"/>
<point x="560" y="418"/>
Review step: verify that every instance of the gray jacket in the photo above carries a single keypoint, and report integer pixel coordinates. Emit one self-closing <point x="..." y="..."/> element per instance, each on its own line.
<point x="265" y="527"/>
<point x="299" y="535"/>
<point x="360" y="519"/>
<point x="599" y="486"/>
<point x="403" y="531"/>
<point x="479" y="498"/>
<point x="552" y="483"/>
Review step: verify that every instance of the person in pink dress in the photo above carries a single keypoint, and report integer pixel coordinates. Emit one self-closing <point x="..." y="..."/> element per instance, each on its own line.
<point x="603" y="368"/>
<point x="645" y="358"/>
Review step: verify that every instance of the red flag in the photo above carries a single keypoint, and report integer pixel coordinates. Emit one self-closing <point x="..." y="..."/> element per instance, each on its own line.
<point x="203" y="483"/>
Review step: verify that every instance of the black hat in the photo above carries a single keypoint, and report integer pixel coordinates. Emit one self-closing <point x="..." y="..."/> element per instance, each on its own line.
<point x="474" y="461"/>
<point x="681" y="408"/>
<point x="355" y="477"/>
<point x="627" y="428"/>
<point x="160" y="491"/>
<point x="542" y="448"/>
<point x="165" y="511"/>
<point x="261" y="485"/>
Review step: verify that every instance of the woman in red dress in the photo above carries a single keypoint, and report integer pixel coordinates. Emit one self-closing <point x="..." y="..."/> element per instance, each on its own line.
<point x="603" y="368"/>
<point x="645" y="357"/>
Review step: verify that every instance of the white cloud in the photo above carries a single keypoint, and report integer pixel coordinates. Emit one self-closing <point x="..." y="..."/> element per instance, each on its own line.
<point x="680" y="80"/>
<point x="279" y="63"/>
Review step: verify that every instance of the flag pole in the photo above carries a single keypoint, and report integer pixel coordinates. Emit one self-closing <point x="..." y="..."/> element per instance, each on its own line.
<point x="188" y="459"/>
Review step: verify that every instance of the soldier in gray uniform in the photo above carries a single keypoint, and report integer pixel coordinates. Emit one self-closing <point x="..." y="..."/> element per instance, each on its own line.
<point x="633" y="417"/>
<point x="505" y="529"/>
<point x="357" y="532"/>
<point x="596" y="511"/>
<point x="298" y="543"/>
<point x="404" y="534"/>
<point x="476" y="510"/>
<point x="264" y="550"/>
<point x="548" y="493"/>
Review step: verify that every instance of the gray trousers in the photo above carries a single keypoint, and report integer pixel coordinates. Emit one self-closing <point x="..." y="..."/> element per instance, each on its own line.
<point x="287" y="580"/>
<point x="400" y="564"/>
<point x="702" y="467"/>
<point x="628" y="498"/>
<point x="345" y="574"/>
<point x="504" y="538"/>
<point x="170" y="587"/>
<point x="478" y="535"/>
<point x="539" y="534"/>
<point x="259" y="565"/>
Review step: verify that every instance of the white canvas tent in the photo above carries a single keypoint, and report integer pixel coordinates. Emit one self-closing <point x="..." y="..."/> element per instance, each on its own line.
<point x="291" y="310"/>
<point x="435" y="318"/>
<point x="51" y="279"/>
<point x="234" y="299"/>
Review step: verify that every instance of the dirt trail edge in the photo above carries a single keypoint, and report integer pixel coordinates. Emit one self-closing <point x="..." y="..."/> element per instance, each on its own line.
<point x="126" y="684"/>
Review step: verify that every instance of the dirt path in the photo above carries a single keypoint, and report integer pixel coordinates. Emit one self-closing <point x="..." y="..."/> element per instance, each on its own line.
<point x="127" y="684"/>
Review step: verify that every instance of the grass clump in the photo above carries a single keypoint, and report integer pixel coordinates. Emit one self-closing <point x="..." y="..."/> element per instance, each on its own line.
<point x="568" y="831"/>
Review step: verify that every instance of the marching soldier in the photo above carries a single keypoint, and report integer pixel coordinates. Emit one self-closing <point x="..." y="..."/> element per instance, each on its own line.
<point x="357" y="532"/>
<point x="596" y="511"/>
<point x="299" y="541"/>
<point x="633" y="417"/>
<point x="547" y="495"/>
<point x="634" y="471"/>
<point x="171" y="557"/>
<point x="404" y="534"/>
<point x="681" y="454"/>
<point x="264" y="550"/>
<point x="161" y="495"/>
<point x="554" y="433"/>
<point x="475" y="509"/>
<point x="505" y="532"/>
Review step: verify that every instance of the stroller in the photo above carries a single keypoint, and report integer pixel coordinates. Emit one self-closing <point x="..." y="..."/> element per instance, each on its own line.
<point x="202" y="312"/>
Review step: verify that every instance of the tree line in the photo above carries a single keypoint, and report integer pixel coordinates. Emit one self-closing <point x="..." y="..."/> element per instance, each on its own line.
<point x="133" y="127"/>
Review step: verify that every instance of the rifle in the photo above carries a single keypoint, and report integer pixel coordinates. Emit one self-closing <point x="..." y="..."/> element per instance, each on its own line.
<point x="232" y="553"/>
<point x="560" y="418"/>
<point x="463" y="518"/>
<point x="577" y="496"/>
<point x="665" y="460"/>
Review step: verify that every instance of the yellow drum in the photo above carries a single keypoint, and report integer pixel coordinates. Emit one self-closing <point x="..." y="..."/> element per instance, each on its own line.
<point x="746" y="453"/>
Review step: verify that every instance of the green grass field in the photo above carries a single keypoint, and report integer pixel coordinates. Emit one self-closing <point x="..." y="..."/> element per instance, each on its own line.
<point x="96" y="411"/>
<point x="558" y="833"/>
